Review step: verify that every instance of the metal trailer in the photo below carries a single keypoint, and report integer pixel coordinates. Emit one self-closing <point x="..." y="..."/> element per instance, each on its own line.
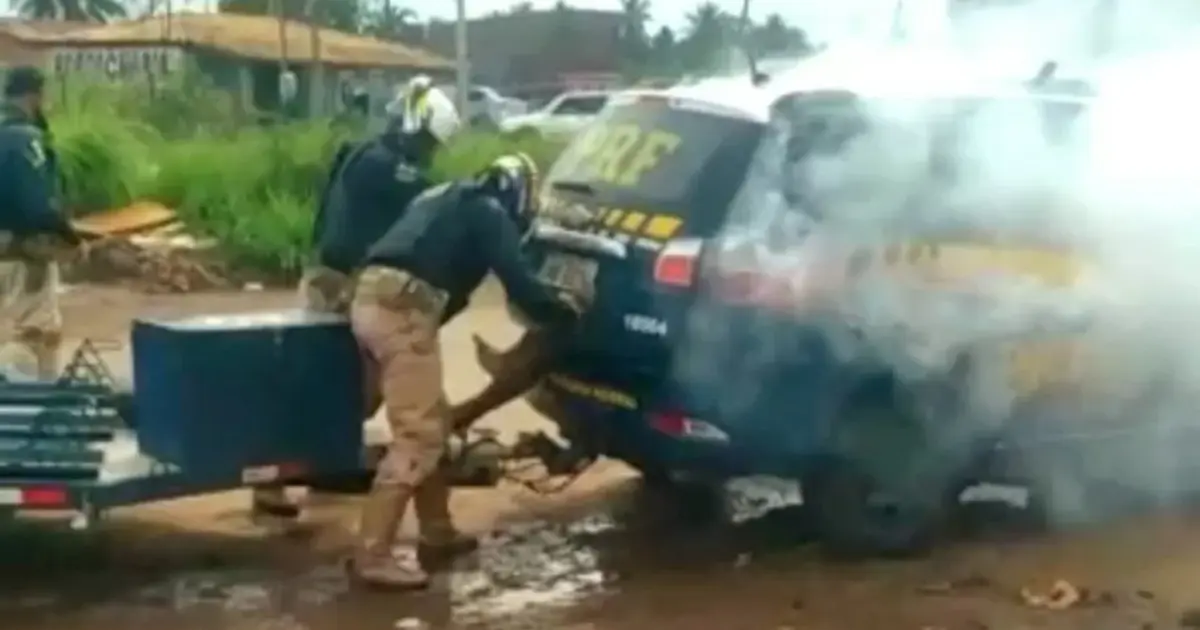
<point x="218" y="402"/>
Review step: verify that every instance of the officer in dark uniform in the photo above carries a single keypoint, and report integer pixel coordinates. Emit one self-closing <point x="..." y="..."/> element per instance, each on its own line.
<point x="370" y="184"/>
<point x="417" y="277"/>
<point x="34" y="232"/>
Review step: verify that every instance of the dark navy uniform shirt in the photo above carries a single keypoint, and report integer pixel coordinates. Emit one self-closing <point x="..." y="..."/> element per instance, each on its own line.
<point x="370" y="185"/>
<point x="451" y="237"/>
<point x="29" y="202"/>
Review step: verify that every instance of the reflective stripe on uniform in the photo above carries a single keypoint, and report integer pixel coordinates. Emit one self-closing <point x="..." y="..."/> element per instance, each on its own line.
<point x="416" y="112"/>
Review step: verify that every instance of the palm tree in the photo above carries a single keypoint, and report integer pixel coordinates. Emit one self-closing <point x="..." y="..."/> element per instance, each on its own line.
<point x="391" y="22"/>
<point x="706" y="34"/>
<point x="339" y="14"/>
<point x="70" y="10"/>
<point x="635" y="42"/>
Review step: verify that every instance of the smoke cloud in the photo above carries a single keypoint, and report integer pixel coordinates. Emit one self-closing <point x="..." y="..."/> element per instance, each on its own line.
<point x="1101" y="190"/>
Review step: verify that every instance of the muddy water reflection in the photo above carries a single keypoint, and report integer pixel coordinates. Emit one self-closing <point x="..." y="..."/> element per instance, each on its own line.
<point x="528" y="574"/>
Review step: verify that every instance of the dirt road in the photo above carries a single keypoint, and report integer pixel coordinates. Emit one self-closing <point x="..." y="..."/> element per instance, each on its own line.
<point x="562" y="562"/>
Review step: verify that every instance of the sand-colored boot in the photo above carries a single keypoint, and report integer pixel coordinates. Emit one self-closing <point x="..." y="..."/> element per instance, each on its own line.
<point x="441" y="542"/>
<point x="373" y="565"/>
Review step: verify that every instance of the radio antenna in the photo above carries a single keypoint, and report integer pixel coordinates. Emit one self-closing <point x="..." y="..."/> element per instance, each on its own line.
<point x="756" y="77"/>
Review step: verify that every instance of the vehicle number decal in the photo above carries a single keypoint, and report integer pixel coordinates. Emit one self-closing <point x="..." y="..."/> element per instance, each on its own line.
<point x="646" y="325"/>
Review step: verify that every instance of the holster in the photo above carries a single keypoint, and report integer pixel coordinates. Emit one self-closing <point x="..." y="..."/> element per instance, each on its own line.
<point x="398" y="289"/>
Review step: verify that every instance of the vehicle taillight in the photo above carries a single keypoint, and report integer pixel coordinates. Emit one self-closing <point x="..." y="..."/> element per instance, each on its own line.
<point x="676" y="264"/>
<point x="678" y="425"/>
<point x="43" y="497"/>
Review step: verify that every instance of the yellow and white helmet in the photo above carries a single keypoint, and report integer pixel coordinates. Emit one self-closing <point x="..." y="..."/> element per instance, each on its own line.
<point x="514" y="178"/>
<point x="421" y="106"/>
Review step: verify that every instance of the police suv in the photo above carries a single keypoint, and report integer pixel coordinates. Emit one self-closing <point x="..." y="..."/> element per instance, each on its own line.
<point x="736" y="328"/>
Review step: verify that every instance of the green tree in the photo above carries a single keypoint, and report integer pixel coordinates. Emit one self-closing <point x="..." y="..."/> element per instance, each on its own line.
<point x="635" y="41"/>
<point x="776" y="37"/>
<point x="70" y="10"/>
<point x="395" y="23"/>
<point x="709" y="30"/>
<point x="343" y="15"/>
<point x="664" y="53"/>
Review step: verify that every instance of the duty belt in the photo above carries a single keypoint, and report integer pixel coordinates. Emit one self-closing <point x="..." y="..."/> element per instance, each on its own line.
<point x="397" y="288"/>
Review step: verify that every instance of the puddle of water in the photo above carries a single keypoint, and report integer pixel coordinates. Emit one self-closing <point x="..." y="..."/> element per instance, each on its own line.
<point x="532" y="571"/>
<point x="535" y="566"/>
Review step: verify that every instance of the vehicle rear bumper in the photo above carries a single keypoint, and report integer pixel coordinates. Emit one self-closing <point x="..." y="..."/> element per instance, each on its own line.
<point x="633" y="435"/>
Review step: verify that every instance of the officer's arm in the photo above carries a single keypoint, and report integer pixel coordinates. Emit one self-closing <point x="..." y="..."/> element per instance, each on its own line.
<point x="34" y="194"/>
<point x="501" y="245"/>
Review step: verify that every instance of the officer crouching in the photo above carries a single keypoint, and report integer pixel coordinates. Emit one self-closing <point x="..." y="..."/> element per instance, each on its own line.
<point x="369" y="185"/>
<point x="416" y="278"/>
<point x="35" y="234"/>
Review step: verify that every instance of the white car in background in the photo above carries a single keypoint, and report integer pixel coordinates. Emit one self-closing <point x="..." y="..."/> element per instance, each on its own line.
<point x="486" y="106"/>
<point x="565" y="115"/>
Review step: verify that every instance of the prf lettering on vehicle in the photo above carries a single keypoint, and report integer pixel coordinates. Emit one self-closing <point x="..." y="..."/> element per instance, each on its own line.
<point x="1035" y="366"/>
<point x="619" y="154"/>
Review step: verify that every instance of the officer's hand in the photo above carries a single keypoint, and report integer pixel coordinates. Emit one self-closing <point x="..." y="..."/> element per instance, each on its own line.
<point x="462" y="416"/>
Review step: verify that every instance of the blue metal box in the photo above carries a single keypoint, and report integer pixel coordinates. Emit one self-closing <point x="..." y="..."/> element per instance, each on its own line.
<point x="224" y="393"/>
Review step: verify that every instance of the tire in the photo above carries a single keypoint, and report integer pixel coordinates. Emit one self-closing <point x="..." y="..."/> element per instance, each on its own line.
<point x="883" y="492"/>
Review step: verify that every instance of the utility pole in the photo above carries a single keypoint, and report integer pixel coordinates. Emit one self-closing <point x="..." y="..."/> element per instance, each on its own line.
<point x="283" y="47"/>
<point x="316" y="75"/>
<point x="462" y="59"/>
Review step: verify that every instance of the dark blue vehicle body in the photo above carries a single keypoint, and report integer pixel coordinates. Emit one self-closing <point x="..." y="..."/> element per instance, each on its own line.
<point x="711" y="388"/>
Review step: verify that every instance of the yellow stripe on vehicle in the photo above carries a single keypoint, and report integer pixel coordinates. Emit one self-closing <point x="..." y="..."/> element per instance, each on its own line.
<point x="662" y="227"/>
<point x="613" y="218"/>
<point x="600" y="393"/>
<point x="633" y="221"/>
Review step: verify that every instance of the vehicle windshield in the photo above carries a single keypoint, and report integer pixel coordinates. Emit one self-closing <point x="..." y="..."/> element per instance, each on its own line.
<point x="659" y="153"/>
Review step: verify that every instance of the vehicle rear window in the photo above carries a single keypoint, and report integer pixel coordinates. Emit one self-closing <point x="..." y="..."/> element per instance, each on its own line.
<point x="660" y="154"/>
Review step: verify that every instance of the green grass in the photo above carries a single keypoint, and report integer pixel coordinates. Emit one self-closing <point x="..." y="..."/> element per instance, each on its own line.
<point x="252" y="189"/>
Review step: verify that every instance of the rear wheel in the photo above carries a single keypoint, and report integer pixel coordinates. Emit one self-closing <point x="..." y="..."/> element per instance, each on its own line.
<point x="883" y="492"/>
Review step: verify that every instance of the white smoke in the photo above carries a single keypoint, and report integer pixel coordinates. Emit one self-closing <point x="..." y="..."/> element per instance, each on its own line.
<point x="1119" y="188"/>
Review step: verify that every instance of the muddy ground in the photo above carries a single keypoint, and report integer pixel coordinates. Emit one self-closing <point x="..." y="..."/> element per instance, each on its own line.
<point x="594" y="557"/>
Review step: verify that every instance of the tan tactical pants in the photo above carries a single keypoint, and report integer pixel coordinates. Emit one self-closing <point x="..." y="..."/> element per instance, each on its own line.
<point x="395" y="318"/>
<point x="322" y="290"/>
<point x="30" y="312"/>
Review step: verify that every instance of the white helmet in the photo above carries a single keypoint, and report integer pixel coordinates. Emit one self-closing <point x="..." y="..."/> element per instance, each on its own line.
<point x="419" y="83"/>
<point x="420" y="106"/>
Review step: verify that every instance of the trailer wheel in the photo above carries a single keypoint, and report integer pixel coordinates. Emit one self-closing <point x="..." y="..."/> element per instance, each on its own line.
<point x="883" y="492"/>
